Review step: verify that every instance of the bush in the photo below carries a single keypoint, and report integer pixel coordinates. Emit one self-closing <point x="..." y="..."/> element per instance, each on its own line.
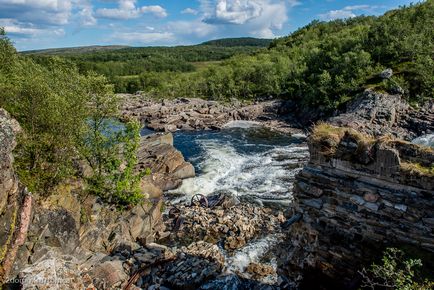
<point x="395" y="272"/>
<point x="66" y="116"/>
<point x="110" y="147"/>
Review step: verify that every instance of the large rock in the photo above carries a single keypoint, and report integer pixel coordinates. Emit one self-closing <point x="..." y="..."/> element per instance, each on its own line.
<point x="167" y="164"/>
<point x="15" y="202"/>
<point x="8" y="181"/>
<point x="380" y="114"/>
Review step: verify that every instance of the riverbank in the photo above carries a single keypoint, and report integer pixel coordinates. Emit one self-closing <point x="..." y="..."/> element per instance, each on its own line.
<point x="190" y="114"/>
<point x="252" y="232"/>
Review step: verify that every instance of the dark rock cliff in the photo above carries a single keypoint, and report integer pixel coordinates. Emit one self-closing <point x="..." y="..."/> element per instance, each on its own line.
<point x="358" y="195"/>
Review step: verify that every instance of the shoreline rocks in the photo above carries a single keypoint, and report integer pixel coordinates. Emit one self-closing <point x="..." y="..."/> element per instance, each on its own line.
<point x="197" y="114"/>
<point x="167" y="165"/>
<point x="379" y="114"/>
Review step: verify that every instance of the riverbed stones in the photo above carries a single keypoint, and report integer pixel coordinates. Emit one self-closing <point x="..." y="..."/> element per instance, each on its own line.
<point x="197" y="114"/>
<point x="232" y="225"/>
<point x="260" y="270"/>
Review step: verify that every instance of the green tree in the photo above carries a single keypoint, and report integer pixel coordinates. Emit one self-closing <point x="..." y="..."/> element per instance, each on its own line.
<point x="395" y="272"/>
<point x="110" y="147"/>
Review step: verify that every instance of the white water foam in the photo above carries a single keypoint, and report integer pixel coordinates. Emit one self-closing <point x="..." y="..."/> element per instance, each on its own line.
<point x="427" y="140"/>
<point x="242" y="124"/>
<point x="252" y="252"/>
<point x="268" y="174"/>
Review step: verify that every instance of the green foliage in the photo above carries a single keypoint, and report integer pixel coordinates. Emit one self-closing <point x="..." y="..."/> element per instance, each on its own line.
<point x="110" y="148"/>
<point x="49" y="102"/>
<point x="395" y="272"/>
<point x="67" y="116"/>
<point x="122" y="66"/>
<point x="113" y="159"/>
<point x="320" y="66"/>
<point x="241" y="41"/>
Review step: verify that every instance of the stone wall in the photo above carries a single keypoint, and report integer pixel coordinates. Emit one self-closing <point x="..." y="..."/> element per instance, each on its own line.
<point x="358" y="196"/>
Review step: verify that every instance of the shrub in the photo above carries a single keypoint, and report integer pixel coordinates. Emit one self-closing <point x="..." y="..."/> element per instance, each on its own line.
<point x="395" y="272"/>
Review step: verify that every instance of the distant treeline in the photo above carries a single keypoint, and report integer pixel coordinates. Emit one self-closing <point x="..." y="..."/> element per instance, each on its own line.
<point x="124" y="65"/>
<point x="242" y="41"/>
<point x="321" y="65"/>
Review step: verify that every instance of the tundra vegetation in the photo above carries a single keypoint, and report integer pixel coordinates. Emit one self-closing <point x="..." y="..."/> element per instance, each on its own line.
<point x="64" y="118"/>
<point x="320" y="66"/>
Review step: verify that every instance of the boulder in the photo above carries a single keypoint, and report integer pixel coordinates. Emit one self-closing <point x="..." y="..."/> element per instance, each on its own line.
<point x="108" y="275"/>
<point x="386" y="74"/>
<point x="168" y="166"/>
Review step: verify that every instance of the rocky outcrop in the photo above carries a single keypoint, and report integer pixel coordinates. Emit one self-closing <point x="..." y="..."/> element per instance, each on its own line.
<point x="358" y="195"/>
<point x="78" y="236"/>
<point x="15" y="201"/>
<point x="167" y="164"/>
<point x="379" y="114"/>
<point x="192" y="114"/>
<point x="73" y="241"/>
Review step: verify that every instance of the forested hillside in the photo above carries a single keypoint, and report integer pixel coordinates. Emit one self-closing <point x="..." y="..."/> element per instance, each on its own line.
<point x="325" y="63"/>
<point x="74" y="50"/>
<point x="126" y="67"/>
<point x="321" y="65"/>
<point x="241" y="41"/>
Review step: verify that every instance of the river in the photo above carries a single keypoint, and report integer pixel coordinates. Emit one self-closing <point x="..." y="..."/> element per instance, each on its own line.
<point x="250" y="161"/>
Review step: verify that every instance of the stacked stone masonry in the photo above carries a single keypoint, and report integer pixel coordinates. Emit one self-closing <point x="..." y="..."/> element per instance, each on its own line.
<point x="356" y="202"/>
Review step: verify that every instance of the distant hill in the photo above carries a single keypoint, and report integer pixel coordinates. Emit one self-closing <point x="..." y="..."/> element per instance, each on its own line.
<point x="76" y="50"/>
<point x="241" y="41"/>
<point x="129" y="67"/>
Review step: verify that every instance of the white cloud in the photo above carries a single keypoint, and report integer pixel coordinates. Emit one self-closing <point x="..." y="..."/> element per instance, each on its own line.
<point x="259" y="18"/>
<point x="127" y="10"/>
<point x="151" y="38"/>
<point x="13" y="26"/>
<point x="85" y="13"/>
<point x="154" y="9"/>
<point x="234" y="11"/>
<point x="293" y="3"/>
<point x="195" y="28"/>
<point x="347" y="12"/>
<point x="189" y="11"/>
<point x="48" y="12"/>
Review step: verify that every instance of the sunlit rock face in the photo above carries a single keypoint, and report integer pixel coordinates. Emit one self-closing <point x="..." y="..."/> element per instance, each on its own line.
<point x="15" y="203"/>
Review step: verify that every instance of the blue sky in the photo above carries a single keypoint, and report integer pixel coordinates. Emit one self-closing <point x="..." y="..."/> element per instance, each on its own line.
<point x="36" y="24"/>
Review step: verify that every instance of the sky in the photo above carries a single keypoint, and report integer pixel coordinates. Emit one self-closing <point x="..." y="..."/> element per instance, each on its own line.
<point x="38" y="24"/>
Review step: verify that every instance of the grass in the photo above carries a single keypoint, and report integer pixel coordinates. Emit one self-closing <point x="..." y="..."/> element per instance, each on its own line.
<point x="329" y="137"/>
<point x="417" y="168"/>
